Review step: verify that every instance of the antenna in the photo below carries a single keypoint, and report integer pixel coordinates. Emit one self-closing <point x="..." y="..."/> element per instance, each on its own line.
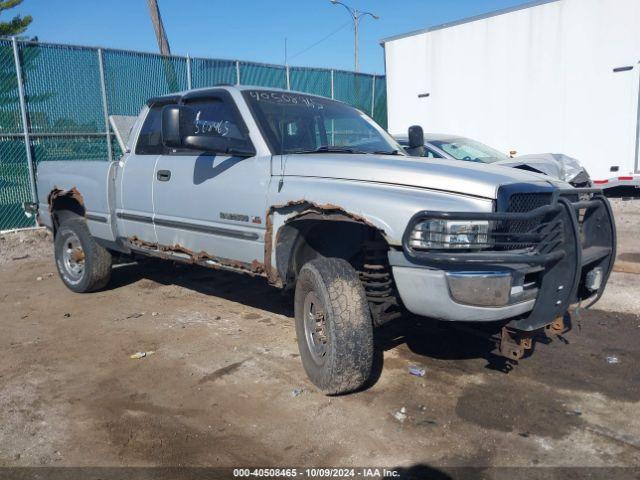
<point x="285" y="51"/>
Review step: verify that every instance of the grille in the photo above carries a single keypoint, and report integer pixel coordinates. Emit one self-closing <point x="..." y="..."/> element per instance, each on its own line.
<point x="513" y="231"/>
<point x="525" y="202"/>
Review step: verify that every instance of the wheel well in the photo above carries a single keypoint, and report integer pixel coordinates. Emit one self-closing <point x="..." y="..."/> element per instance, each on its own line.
<point x="363" y="246"/>
<point x="300" y="241"/>
<point x="64" y="205"/>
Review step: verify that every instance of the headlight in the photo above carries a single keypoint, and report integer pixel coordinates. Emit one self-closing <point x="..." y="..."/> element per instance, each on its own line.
<point x="443" y="234"/>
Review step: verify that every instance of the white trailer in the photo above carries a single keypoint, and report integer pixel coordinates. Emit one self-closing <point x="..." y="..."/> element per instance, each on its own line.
<point x="559" y="76"/>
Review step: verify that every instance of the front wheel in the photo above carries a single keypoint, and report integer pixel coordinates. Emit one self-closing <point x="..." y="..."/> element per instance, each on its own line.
<point x="83" y="264"/>
<point x="333" y="326"/>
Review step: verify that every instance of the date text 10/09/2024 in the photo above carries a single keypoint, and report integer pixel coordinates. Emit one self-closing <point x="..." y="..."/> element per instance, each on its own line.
<point x="315" y="472"/>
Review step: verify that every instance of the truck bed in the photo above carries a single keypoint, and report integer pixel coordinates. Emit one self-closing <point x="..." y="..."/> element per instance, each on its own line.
<point x="91" y="182"/>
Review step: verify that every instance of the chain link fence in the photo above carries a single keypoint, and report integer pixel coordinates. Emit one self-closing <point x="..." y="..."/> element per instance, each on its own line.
<point x="65" y="93"/>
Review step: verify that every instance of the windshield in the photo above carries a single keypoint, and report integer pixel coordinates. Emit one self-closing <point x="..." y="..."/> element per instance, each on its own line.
<point x="470" y="150"/>
<point x="298" y="123"/>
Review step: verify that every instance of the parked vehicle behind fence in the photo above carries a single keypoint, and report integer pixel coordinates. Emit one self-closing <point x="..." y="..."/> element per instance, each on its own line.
<point x="315" y="197"/>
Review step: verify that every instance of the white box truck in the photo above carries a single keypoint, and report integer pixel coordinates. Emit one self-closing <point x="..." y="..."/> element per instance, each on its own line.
<point x="560" y="76"/>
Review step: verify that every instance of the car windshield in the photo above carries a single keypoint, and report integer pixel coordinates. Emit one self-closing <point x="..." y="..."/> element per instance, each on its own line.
<point x="298" y="123"/>
<point x="470" y="150"/>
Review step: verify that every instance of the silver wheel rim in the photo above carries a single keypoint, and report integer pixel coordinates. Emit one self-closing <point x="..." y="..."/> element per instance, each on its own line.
<point x="73" y="257"/>
<point x="315" y="328"/>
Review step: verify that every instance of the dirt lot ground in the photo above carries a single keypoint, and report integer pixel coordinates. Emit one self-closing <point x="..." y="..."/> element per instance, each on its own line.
<point x="224" y="385"/>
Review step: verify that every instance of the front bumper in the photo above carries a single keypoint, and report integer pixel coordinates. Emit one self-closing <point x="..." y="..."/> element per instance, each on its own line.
<point x="549" y="247"/>
<point x="426" y="292"/>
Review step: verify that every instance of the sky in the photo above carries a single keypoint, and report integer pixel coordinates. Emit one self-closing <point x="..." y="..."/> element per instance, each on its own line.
<point x="318" y="33"/>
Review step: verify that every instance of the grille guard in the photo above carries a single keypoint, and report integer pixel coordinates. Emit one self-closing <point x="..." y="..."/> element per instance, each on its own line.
<point x="587" y="239"/>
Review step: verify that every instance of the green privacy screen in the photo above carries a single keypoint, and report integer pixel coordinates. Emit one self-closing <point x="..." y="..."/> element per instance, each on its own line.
<point x="9" y="101"/>
<point x="67" y="87"/>
<point x="263" y="75"/>
<point x="14" y="169"/>
<point x="14" y="183"/>
<point x="379" y="113"/>
<point x="206" y="72"/>
<point x="311" y="80"/>
<point x="132" y="78"/>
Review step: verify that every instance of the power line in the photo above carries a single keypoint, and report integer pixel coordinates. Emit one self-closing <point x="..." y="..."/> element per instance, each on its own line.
<point x="320" y="41"/>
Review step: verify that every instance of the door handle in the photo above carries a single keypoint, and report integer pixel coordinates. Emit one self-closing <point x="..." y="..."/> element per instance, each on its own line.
<point x="163" y="175"/>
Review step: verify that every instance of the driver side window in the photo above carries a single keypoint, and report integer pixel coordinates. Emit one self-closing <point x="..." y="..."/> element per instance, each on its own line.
<point x="214" y="117"/>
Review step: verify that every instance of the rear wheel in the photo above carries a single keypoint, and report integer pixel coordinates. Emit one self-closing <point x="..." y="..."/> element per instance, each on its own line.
<point x="333" y="326"/>
<point x="83" y="264"/>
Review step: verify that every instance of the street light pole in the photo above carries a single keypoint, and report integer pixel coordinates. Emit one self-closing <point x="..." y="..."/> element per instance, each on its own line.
<point x="356" y="23"/>
<point x="356" y="15"/>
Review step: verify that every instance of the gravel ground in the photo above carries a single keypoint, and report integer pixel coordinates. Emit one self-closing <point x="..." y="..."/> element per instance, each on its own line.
<point x="627" y="214"/>
<point x="25" y="244"/>
<point x="222" y="384"/>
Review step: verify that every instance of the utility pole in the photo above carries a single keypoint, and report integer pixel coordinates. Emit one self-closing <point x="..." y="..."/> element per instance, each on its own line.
<point x="158" y="27"/>
<point x="356" y="15"/>
<point x="163" y="44"/>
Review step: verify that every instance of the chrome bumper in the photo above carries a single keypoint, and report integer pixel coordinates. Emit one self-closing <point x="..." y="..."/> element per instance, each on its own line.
<point x="459" y="297"/>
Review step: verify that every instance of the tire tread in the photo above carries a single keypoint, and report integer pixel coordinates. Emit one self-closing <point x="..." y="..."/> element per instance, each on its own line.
<point x="351" y="355"/>
<point x="98" y="260"/>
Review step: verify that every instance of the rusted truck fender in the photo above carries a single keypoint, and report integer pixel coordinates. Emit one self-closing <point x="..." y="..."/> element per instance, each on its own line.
<point x="355" y="201"/>
<point x="87" y="183"/>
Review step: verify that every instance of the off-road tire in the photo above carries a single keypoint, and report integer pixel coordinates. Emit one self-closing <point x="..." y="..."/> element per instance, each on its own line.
<point x="96" y="272"/>
<point x="348" y="359"/>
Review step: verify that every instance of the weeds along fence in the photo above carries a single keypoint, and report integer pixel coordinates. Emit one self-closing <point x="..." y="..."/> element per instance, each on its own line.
<point x="55" y="101"/>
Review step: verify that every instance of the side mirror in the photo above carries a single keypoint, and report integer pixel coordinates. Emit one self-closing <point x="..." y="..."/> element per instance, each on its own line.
<point x="416" y="136"/>
<point x="178" y="123"/>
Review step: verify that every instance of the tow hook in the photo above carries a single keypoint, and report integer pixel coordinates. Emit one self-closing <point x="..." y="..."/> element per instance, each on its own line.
<point x="557" y="327"/>
<point x="514" y="344"/>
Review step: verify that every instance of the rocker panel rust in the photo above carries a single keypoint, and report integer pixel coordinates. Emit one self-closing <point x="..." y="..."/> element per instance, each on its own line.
<point x="299" y="208"/>
<point x="198" y="258"/>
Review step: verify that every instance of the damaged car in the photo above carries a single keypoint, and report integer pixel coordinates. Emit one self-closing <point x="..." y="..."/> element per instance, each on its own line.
<point x="455" y="147"/>
<point x="315" y="197"/>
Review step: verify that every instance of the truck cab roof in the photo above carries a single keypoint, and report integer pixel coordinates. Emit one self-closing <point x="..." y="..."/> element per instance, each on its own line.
<point x="175" y="97"/>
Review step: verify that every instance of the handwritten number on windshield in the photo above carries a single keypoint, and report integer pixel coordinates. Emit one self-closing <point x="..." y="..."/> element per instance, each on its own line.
<point x="286" y="99"/>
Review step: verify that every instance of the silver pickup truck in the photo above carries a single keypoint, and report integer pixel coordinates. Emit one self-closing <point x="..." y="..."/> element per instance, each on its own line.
<point x="314" y="196"/>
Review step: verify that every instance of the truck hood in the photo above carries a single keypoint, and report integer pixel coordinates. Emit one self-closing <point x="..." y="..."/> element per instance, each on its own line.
<point x="477" y="179"/>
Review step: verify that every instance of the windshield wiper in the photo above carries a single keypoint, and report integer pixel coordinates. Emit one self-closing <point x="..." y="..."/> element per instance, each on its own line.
<point x="325" y="149"/>
<point x="329" y="149"/>
<point x="387" y="152"/>
<point x="336" y="149"/>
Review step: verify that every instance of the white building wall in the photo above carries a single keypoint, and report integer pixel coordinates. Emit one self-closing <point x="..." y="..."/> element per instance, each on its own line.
<point x="534" y="80"/>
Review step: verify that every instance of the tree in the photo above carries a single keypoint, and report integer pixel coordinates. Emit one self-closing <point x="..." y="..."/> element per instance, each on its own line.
<point x="18" y="24"/>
